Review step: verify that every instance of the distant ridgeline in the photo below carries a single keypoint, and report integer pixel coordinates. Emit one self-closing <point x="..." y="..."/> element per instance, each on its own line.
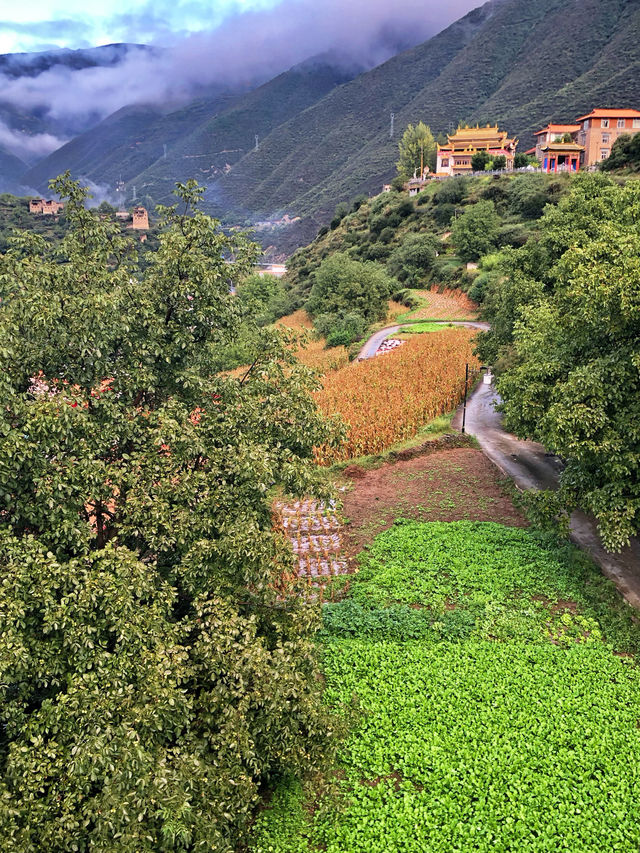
<point x="285" y="153"/>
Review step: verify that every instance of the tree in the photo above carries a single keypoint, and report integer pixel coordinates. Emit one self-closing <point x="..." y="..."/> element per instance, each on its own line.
<point x="479" y="161"/>
<point x="156" y="668"/>
<point x="625" y="154"/>
<point x="342" y="284"/>
<point x="565" y="317"/>
<point x="412" y="261"/>
<point x="499" y="163"/>
<point x="476" y="232"/>
<point x="417" y="150"/>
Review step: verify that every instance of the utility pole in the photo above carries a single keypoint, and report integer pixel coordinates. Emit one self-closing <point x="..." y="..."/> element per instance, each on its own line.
<point x="165" y="151"/>
<point x="257" y="142"/>
<point x="393" y="118"/>
<point x="134" y="197"/>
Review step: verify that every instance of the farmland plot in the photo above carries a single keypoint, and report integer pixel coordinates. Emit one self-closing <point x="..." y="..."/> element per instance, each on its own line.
<point x="386" y="400"/>
<point x="497" y="699"/>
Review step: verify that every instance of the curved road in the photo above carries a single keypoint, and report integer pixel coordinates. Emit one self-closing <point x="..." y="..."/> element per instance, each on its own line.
<point x="531" y="467"/>
<point x="371" y="346"/>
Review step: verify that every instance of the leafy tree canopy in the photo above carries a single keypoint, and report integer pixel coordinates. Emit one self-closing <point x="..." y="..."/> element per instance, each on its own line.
<point x="480" y="161"/>
<point x="565" y="317"/>
<point x="417" y="149"/>
<point x="625" y="154"/>
<point x="343" y="284"/>
<point x="155" y="667"/>
<point x="476" y="232"/>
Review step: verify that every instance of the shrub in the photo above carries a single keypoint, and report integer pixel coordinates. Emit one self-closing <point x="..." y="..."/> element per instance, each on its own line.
<point x="451" y="191"/>
<point x="527" y="196"/>
<point x="443" y="214"/>
<point x="413" y="260"/>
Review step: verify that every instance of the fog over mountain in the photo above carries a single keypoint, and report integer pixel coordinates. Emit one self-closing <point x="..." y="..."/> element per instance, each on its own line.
<point x="46" y="98"/>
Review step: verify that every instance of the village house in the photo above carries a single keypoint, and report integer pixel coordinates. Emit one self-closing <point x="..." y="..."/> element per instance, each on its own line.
<point x="44" y="207"/>
<point x="140" y="219"/>
<point x="570" y="147"/>
<point x="454" y="158"/>
<point x="600" y="128"/>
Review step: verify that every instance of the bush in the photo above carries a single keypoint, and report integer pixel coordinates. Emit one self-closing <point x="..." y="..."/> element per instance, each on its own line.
<point x="413" y="260"/>
<point x="444" y="213"/>
<point x="451" y="191"/>
<point x="527" y="196"/>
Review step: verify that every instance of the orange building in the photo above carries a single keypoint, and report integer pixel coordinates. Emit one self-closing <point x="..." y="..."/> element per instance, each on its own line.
<point x="600" y="128"/>
<point x="454" y="158"/>
<point x="140" y="219"/>
<point x="45" y="207"/>
<point x="557" y="148"/>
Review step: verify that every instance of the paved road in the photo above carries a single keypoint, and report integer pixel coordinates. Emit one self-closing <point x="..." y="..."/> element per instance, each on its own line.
<point x="371" y="346"/>
<point x="527" y="463"/>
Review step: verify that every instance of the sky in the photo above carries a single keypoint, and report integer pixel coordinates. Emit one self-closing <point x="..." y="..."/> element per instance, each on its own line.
<point x="46" y="24"/>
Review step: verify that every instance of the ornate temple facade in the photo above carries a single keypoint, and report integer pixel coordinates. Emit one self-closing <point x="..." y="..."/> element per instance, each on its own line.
<point x="454" y="158"/>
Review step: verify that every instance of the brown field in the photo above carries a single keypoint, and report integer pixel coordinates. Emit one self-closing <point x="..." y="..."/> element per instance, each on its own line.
<point x="312" y="353"/>
<point x="387" y="399"/>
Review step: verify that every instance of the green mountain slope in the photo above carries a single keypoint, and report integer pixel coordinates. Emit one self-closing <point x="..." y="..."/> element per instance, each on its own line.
<point x="211" y="149"/>
<point x="520" y="63"/>
<point x="126" y="142"/>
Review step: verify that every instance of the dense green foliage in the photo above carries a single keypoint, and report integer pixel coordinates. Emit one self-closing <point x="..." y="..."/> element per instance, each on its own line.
<point x="625" y="154"/>
<point x="475" y="233"/>
<point x="491" y="711"/>
<point x="565" y="315"/>
<point x="346" y="296"/>
<point x="156" y="666"/>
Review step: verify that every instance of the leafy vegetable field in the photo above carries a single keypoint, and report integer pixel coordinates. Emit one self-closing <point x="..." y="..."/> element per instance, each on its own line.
<point x="388" y="399"/>
<point x="492" y="690"/>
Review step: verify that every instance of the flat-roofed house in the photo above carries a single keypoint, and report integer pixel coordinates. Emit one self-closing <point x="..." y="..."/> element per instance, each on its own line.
<point x="600" y="128"/>
<point x="454" y="158"/>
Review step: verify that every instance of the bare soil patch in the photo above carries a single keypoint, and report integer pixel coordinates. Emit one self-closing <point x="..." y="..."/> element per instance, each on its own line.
<point x="446" y="485"/>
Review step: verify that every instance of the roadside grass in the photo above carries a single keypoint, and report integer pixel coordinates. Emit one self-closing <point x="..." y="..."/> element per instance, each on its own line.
<point x="490" y="678"/>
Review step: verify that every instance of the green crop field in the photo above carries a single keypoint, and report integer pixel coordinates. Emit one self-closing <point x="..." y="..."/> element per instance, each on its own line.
<point x="493" y="698"/>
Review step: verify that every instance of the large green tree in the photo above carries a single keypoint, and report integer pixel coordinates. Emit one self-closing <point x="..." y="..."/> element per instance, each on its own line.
<point x="343" y="284"/>
<point x="475" y="232"/>
<point x="156" y="667"/>
<point x="417" y="149"/>
<point x="565" y="316"/>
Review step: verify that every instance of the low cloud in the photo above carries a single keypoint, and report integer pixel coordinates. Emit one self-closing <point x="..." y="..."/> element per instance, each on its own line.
<point x="245" y="48"/>
<point x="29" y="148"/>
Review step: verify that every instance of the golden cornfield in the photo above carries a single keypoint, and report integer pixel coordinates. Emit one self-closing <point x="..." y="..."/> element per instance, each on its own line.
<point x="388" y="399"/>
<point x="313" y="354"/>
